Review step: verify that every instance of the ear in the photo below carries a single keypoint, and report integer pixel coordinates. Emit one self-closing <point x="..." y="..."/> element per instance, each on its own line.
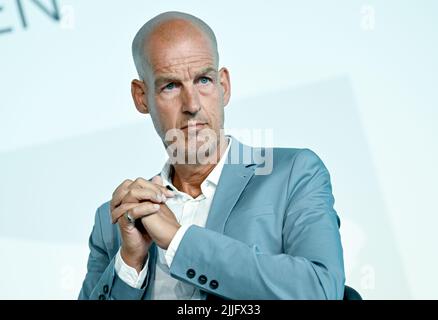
<point x="224" y="79"/>
<point x="139" y="95"/>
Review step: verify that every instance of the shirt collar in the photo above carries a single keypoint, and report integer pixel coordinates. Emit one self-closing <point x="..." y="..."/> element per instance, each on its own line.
<point x="213" y="177"/>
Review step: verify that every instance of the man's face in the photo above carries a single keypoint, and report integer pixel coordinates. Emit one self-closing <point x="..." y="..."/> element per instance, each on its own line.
<point x="185" y="88"/>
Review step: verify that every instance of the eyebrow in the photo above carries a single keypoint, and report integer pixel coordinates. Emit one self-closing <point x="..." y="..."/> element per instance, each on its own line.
<point x="166" y="79"/>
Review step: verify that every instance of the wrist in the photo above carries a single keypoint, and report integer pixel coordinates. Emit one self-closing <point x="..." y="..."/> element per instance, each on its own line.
<point x="133" y="260"/>
<point x="171" y="236"/>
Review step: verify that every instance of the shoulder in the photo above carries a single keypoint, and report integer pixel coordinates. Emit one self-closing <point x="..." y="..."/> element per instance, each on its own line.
<point x="295" y="160"/>
<point x="301" y="161"/>
<point x="277" y="158"/>
<point x="303" y="167"/>
<point x="296" y="156"/>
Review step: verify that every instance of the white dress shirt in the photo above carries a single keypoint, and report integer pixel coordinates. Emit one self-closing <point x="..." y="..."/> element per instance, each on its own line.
<point x="188" y="211"/>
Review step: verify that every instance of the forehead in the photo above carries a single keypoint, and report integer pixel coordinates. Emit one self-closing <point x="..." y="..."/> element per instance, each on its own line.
<point x="175" y="47"/>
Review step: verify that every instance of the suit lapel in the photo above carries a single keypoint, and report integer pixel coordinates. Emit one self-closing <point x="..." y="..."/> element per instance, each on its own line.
<point x="233" y="180"/>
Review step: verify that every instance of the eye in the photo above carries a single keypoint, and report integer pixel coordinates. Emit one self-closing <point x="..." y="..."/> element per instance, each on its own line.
<point x="169" y="86"/>
<point x="204" y="80"/>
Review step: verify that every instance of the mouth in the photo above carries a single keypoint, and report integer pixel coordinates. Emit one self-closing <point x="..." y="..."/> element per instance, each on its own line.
<point x="194" y="126"/>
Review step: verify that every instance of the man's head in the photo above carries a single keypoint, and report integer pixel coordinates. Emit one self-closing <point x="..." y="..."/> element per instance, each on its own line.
<point x="177" y="61"/>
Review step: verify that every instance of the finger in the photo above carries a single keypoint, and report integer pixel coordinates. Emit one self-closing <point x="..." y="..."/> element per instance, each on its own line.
<point x="124" y="224"/>
<point x="122" y="186"/>
<point x="140" y="182"/>
<point x="139" y="195"/>
<point x="155" y="183"/>
<point x="120" y="210"/>
<point x="117" y="198"/>
<point x="122" y="193"/>
<point x="159" y="181"/>
<point x="143" y="210"/>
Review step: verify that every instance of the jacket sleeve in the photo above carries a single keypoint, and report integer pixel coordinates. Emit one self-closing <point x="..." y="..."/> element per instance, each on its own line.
<point x="311" y="265"/>
<point x="101" y="281"/>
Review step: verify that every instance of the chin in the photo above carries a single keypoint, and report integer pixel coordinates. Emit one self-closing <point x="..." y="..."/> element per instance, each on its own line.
<point x="200" y="153"/>
<point x="193" y="149"/>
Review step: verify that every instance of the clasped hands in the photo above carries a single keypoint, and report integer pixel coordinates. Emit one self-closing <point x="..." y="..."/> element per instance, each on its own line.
<point x="143" y="200"/>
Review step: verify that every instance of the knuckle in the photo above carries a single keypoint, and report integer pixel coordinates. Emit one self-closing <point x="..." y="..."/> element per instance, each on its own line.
<point x="139" y="180"/>
<point x="122" y="185"/>
<point x="149" y="194"/>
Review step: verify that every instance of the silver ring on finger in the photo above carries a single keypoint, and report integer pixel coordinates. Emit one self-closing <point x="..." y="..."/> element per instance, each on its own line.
<point x="129" y="218"/>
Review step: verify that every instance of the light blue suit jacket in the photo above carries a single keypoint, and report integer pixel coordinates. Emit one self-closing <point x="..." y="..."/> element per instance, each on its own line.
<point x="272" y="236"/>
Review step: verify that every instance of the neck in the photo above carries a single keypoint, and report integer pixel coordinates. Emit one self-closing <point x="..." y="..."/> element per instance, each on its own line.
<point x="189" y="177"/>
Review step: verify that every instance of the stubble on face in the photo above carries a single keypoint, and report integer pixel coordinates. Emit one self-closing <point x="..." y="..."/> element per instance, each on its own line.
<point x="178" y="57"/>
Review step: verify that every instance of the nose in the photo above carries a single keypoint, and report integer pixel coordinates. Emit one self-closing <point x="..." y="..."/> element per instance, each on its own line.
<point x="190" y="101"/>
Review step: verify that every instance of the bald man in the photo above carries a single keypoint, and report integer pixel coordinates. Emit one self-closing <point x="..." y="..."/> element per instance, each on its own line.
<point x="221" y="219"/>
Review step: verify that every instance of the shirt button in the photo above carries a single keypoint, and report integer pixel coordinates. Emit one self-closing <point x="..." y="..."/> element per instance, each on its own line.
<point x="214" y="284"/>
<point x="105" y="289"/>
<point x="202" y="279"/>
<point x="102" y="297"/>
<point x="191" y="273"/>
